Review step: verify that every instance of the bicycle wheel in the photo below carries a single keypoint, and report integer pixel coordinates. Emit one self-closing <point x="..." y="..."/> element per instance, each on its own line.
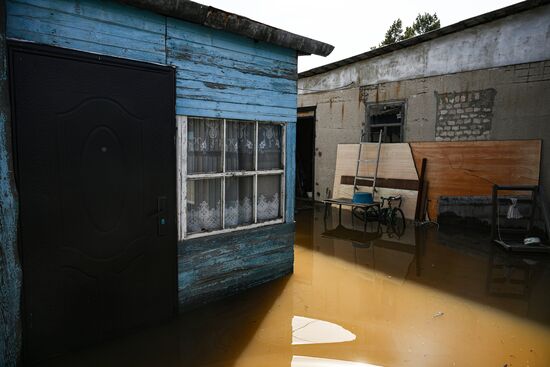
<point x="383" y="218"/>
<point x="397" y="221"/>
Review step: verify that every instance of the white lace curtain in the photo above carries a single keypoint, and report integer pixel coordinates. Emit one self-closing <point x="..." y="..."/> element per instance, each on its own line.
<point x="269" y="157"/>
<point x="204" y="146"/>
<point x="204" y="196"/>
<point x="239" y="146"/>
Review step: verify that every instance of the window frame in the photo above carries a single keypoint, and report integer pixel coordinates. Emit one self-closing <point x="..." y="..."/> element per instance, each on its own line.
<point x="183" y="177"/>
<point x="369" y="125"/>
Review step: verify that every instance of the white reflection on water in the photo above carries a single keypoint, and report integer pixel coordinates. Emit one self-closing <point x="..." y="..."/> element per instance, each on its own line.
<point x="305" y="361"/>
<point x="313" y="331"/>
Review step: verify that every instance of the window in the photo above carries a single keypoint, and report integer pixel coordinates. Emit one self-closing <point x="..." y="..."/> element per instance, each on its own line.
<point x="231" y="174"/>
<point x="385" y="118"/>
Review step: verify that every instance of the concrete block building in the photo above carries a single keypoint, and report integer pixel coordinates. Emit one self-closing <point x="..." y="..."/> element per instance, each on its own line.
<point x="484" y="78"/>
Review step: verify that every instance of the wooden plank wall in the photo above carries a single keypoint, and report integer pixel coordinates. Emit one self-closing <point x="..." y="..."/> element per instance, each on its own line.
<point x="218" y="75"/>
<point x="396" y="162"/>
<point x="471" y="168"/>
<point x="10" y="266"/>
<point x="222" y="265"/>
<point x="102" y="27"/>
<point x="224" y="75"/>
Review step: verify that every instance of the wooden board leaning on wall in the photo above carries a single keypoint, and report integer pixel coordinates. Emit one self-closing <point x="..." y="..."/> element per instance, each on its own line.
<point x="396" y="172"/>
<point x="470" y="168"/>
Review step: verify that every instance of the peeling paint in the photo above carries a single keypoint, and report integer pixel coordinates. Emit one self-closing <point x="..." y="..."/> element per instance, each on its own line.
<point x="222" y="265"/>
<point x="209" y="64"/>
<point x="10" y="271"/>
<point x="215" y="85"/>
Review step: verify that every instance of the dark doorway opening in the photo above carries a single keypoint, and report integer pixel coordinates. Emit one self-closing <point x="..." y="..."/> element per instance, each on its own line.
<point x="95" y="170"/>
<point x="305" y="158"/>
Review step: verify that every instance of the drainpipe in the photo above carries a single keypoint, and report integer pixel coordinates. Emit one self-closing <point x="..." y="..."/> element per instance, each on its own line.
<point x="10" y="270"/>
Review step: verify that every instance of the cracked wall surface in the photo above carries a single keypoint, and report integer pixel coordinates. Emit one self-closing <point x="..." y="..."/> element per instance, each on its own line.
<point x="516" y="39"/>
<point x="519" y="95"/>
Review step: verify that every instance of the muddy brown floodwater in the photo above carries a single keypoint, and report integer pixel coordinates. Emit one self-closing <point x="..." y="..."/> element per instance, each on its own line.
<point x="426" y="298"/>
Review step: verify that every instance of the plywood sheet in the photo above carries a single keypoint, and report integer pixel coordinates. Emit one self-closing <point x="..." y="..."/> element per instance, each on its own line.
<point x="471" y="168"/>
<point x="396" y="162"/>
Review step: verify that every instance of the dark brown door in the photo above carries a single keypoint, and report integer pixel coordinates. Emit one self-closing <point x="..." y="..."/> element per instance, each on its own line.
<point x="96" y="176"/>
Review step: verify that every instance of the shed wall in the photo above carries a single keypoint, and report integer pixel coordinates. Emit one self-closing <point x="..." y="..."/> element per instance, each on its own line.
<point x="519" y="111"/>
<point x="10" y="270"/>
<point x="506" y="60"/>
<point x="220" y="265"/>
<point x="218" y="75"/>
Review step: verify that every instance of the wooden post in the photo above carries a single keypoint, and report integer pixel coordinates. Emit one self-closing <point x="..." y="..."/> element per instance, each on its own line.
<point x="494" y="214"/>
<point x="544" y="210"/>
<point x="534" y="197"/>
<point x="420" y="198"/>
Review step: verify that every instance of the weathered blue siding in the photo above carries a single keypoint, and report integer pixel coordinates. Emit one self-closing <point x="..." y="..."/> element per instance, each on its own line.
<point x="103" y="27"/>
<point x="218" y="74"/>
<point x="222" y="265"/>
<point x="10" y="271"/>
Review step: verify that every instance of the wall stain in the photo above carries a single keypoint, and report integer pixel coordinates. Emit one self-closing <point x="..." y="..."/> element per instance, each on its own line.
<point x="215" y="85"/>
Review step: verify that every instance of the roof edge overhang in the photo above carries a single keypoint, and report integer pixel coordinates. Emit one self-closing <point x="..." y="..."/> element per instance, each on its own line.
<point x="211" y="17"/>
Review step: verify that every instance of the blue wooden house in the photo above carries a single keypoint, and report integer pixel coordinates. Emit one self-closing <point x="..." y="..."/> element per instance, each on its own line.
<point x="146" y="162"/>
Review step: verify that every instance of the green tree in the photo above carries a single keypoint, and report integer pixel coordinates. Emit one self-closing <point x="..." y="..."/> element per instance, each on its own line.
<point x="423" y="23"/>
<point x="394" y="33"/>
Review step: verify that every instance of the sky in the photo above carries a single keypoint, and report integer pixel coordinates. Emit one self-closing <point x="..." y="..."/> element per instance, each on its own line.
<point x="352" y="26"/>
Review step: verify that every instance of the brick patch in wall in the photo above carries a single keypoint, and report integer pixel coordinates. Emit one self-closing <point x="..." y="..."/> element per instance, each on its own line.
<point x="464" y="115"/>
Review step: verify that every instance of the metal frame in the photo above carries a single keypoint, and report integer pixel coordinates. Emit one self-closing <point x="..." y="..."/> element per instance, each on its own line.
<point x="359" y="161"/>
<point x="369" y="125"/>
<point x="495" y="230"/>
<point x="184" y="177"/>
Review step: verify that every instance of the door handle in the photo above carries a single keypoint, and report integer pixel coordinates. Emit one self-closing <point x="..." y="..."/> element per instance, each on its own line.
<point x="162" y="221"/>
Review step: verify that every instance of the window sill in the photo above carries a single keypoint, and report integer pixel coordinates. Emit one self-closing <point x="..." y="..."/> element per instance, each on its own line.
<point x="236" y="229"/>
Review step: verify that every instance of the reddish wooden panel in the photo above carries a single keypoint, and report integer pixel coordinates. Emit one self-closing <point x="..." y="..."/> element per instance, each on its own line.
<point x="471" y="168"/>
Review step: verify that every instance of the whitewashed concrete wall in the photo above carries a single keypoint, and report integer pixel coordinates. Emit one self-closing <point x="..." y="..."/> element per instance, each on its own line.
<point x="516" y="39"/>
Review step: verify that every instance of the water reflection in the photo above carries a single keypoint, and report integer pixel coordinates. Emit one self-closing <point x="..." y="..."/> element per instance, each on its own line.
<point x="306" y="330"/>
<point x="456" y="260"/>
<point x="375" y="245"/>
<point x="425" y="298"/>
<point x="305" y="361"/>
